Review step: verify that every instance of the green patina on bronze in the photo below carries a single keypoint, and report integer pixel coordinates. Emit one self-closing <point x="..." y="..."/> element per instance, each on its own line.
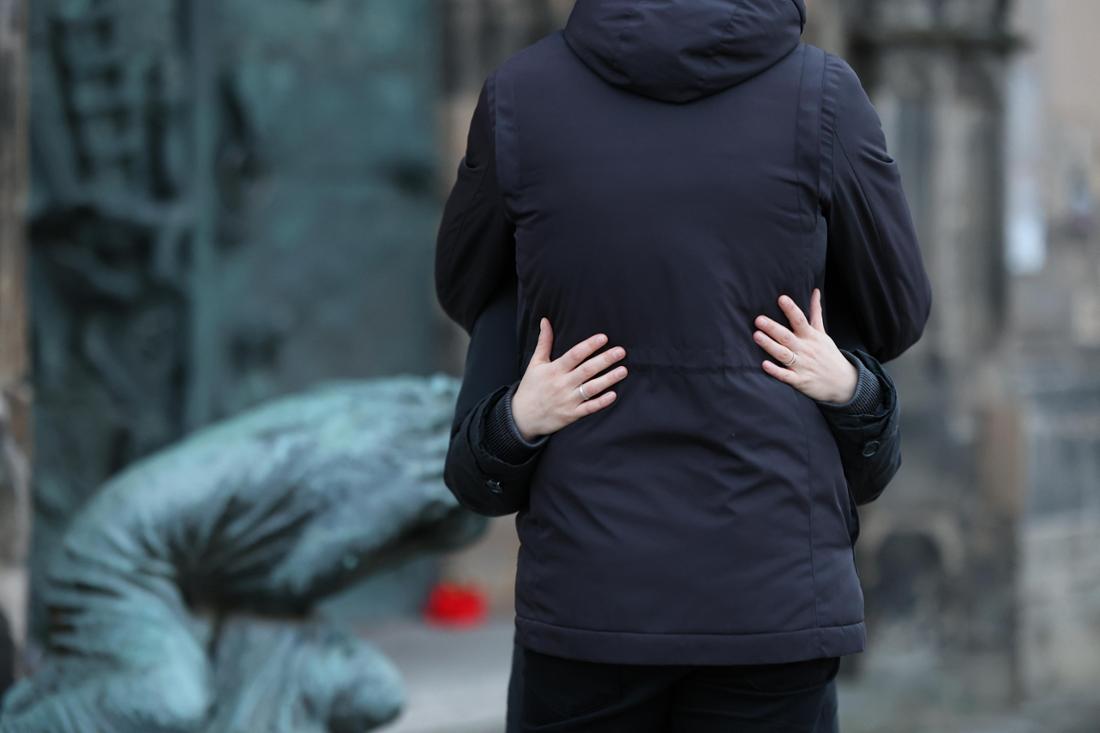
<point x="180" y="599"/>
<point x="232" y="200"/>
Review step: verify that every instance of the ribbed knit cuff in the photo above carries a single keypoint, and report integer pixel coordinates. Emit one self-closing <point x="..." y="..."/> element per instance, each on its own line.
<point x="502" y="438"/>
<point x="868" y="395"/>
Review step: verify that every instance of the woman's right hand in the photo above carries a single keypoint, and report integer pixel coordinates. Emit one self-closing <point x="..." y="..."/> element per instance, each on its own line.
<point x="551" y="394"/>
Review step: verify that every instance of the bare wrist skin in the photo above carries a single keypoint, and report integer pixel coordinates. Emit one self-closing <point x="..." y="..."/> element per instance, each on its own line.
<point x="523" y="416"/>
<point x="846" y="384"/>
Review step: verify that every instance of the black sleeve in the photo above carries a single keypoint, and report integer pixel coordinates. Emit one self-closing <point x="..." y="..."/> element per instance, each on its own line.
<point x="475" y="245"/>
<point x="482" y="479"/>
<point x="492" y="360"/>
<point x="869" y="441"/>
<point x="876" y="288"/>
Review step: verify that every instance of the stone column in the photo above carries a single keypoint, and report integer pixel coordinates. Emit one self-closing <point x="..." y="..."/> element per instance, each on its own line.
<point x="937" y="71"/>
<point x="14" y="390"/>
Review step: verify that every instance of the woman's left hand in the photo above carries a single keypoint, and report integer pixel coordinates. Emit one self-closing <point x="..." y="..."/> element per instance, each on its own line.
<point x="808" y="359"/>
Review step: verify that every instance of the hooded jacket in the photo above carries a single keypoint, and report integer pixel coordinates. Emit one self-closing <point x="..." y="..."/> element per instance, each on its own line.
<point x="663" y="171"/>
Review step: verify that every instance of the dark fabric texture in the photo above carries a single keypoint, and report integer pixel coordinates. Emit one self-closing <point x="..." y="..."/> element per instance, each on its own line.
<point x="482" y="481"/>
<point x="515" y="691"/>
<point x="681" y="51"/>
<point x="670" y="226"/>
<point x="572" y="695"/>
<point x="473" y="215"/>
<point x="869" y="442"/>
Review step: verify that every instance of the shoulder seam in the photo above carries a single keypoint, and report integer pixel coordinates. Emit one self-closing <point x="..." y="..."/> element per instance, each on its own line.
<point x="829" y="109"/>
<point x="808" y="134"/>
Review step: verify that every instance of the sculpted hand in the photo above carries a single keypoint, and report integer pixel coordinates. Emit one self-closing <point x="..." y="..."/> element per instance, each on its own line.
<point x="554" y="394"/>
<point x="808" y="359"/>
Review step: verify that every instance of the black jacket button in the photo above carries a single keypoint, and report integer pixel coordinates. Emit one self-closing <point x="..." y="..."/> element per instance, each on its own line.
<point x="870" y="448"/>
<point x="494" y="486"/>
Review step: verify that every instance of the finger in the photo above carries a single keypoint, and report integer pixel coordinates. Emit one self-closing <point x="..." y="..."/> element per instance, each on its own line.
<point x="794" y="314"/>
<point x="777" y="331"/>
<point x="817" y="321"/>
<point x="597" y="364"/>
<point x="780" y="352"/>
<point x="545" y="344"/>
<point x="783" y="375"/>
<point x="603" y="383"/>
<point x="594" y="405"/>
<point x="572" y="358"/>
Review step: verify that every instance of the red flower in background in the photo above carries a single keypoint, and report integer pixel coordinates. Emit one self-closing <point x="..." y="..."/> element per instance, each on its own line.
<point x="455" y="604"/>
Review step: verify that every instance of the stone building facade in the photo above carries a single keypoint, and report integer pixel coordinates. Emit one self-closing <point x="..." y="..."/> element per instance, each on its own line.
<point x="1055" y="312"/>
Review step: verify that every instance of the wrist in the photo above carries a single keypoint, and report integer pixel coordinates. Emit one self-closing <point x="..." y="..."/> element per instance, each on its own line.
<point x="846" y="387"/>
<point x="501" y="438"/>
<point x="520" y="417"/>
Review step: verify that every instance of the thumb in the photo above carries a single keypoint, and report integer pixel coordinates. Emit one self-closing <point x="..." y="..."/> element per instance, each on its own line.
<point x="546" y="341"/>
<point x="816" y="319"/>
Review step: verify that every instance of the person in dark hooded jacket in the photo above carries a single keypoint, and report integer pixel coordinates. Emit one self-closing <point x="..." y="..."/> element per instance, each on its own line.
<point x="489" y="463"/>
<point x="663" y="170"/>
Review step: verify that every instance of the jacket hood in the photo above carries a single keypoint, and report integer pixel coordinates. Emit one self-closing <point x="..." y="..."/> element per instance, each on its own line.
<point x="681" y="50"/>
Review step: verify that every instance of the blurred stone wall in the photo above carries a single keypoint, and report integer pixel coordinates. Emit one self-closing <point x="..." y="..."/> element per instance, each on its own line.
<point x="1056" y="334"/>
<point x="938" y="556"/>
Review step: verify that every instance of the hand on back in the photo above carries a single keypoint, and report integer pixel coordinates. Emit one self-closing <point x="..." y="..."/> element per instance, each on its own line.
<point x="556" y="393"/>
<point x="811" y="362"/>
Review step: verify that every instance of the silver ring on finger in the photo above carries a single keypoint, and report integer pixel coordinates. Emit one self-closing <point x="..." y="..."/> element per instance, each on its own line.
<point x="584" y="395"/>
<point x="793" y="359"/>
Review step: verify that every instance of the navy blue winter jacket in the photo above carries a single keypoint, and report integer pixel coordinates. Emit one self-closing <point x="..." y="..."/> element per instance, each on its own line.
<point x="664" y="170"/>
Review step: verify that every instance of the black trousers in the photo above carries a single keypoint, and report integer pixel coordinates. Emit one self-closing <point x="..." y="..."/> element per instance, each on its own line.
<point x="549" y="694"/>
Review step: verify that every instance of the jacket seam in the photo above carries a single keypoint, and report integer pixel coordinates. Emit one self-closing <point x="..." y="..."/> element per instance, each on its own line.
<point x="828" y="133"/>
<point x="799" y="142"/>
<point x="508" y="178"/>
<point x="859" y="186"/>
<point x="692" y="633"/>
<point x="808" y="152"/>
<point x="809" y="511"/>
